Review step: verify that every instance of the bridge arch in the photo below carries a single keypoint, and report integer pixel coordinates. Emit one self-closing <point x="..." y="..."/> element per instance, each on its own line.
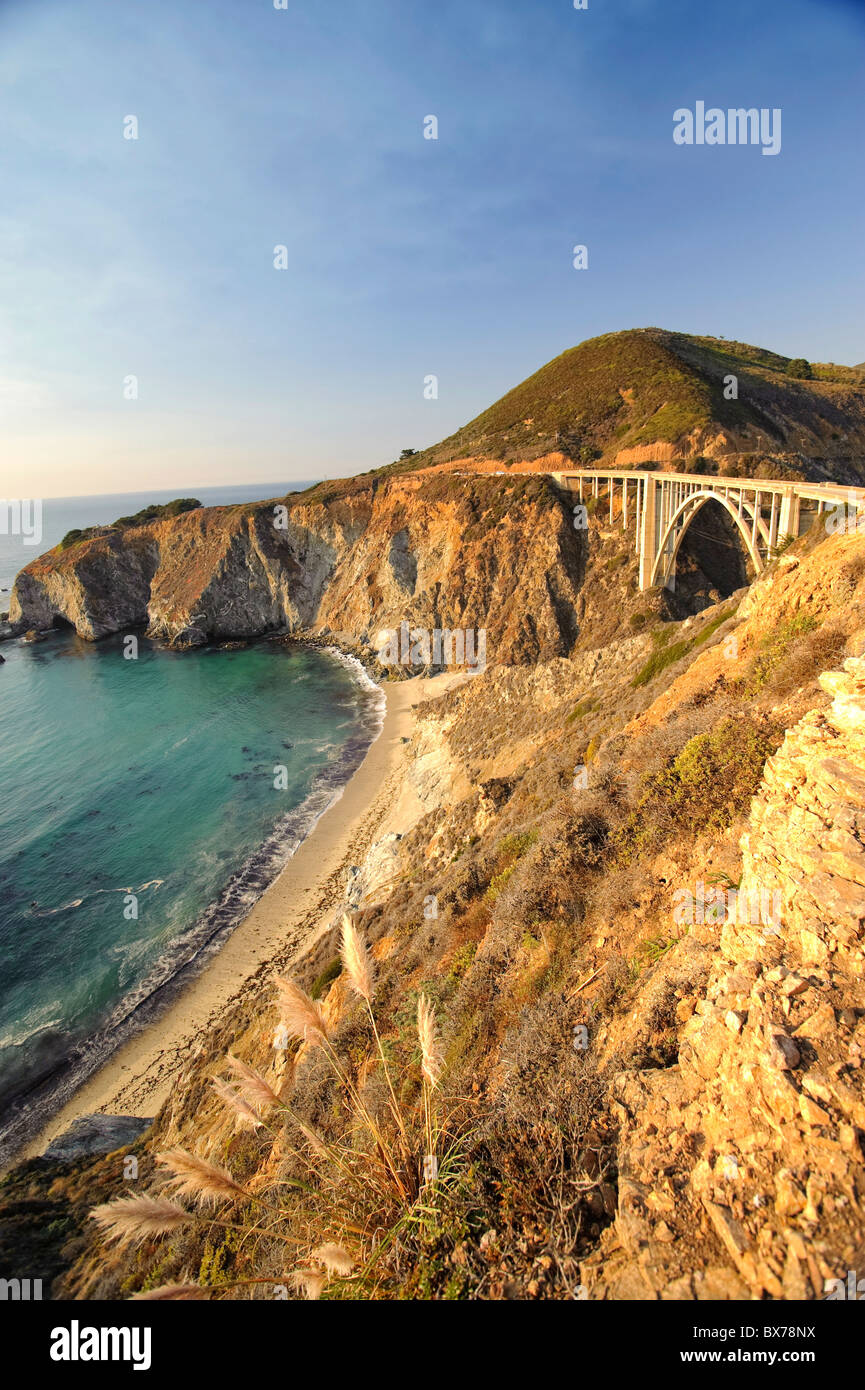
<point x="677" y="525"/>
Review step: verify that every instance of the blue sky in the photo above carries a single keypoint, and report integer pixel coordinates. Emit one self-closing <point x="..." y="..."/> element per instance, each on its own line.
<point x="304" y="127"/>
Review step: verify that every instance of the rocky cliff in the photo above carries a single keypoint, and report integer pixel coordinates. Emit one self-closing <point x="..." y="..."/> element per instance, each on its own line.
<point x="768" y="1096"/>
<point x="437" y="552"/>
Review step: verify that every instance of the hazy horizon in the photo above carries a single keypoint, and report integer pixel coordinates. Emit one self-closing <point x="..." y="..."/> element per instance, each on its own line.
<point x="184" y="489"/>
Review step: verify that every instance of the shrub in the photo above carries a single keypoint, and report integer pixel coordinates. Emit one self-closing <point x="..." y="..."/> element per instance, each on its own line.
<point x="510" y="851"/>
<point x="704" y="787"/>
<point x="76" y="534"/>
<point x="327" y="977"/>
<point x="660" y="660"/>
<point x="795" y="655"/>
<point x="799" y="367"/>
<point x="548" y="1147"/>
<point x="584" y="707"/>
<point x="711" y="627"/>
<point x="156" y="511"/>
<point x="462" y="961"/>
<point x="515" y="846"/>
<point x="153" y="512"/>
<point x="773" y="650"/>
<point x="666" y="655"/>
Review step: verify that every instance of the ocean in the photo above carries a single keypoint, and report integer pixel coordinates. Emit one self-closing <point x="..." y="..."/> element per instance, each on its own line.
<point x="146" y="804"/>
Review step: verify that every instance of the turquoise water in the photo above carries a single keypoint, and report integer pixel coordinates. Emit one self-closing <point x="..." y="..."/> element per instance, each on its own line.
<point x="145" y="785"/>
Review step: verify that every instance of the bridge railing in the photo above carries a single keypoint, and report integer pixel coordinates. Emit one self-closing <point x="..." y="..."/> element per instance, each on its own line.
<point x="837" y="492"/>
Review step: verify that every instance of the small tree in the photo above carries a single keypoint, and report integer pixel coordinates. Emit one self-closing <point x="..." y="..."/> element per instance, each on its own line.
<point x="799" y="366"/>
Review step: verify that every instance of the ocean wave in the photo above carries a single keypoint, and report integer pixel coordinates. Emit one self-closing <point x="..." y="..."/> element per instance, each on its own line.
<point x="77" y="902"/>
<point x="359" y="671"/>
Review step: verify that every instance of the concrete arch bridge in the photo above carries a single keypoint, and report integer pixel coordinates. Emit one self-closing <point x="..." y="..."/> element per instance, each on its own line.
<point x="663" y="505"/>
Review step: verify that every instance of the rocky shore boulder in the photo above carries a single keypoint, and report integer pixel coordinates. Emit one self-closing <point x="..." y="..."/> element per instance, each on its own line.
<point x="95" y="1134"/>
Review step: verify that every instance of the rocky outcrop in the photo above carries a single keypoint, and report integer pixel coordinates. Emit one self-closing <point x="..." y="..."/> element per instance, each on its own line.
<point x="417" y="550"/>
<point x="95" y="1134"/>
<point x="752" y="1144"/>
<point x="100" y="586"/>
<point x="660" y="452"/>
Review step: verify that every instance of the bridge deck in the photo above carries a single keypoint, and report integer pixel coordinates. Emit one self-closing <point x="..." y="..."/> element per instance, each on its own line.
<point x="816" y="492"/>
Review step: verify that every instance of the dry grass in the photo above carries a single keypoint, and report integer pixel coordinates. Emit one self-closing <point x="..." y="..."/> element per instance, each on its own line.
<point x="382" y="1178"/>
<point x="133" y="1220"/>
<point x="301" y="1016"/>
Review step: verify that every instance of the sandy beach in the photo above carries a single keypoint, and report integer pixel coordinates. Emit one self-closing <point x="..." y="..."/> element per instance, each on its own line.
<point x="289" y="916"/>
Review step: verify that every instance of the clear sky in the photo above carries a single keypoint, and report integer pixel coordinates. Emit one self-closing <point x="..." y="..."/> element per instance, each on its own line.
<point x="303" y="127"/>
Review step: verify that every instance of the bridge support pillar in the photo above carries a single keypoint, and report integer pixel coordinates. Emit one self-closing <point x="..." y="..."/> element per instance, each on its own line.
<point x="648" y="532"/>
<point x="788" y="524"/>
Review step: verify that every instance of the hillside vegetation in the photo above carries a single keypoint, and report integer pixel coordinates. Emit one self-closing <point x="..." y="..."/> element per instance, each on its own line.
<point x="644" y="387"/>
<point x="155" y="511"/>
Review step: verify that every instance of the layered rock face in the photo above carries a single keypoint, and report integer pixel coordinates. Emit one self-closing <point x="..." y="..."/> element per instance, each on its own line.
<point x="436" y="553"/>
<point x="769" y="1092"/>
<point x="103" y="588"/>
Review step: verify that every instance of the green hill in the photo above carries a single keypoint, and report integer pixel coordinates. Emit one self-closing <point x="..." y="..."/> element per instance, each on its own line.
<point x="647" y="386"/>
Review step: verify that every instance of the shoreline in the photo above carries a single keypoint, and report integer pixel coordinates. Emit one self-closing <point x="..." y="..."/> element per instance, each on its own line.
<point x="289" y="917"/>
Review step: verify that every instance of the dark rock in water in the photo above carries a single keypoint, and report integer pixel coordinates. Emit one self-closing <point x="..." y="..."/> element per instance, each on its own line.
<point x="96" y="1134"/>
<point x="35" y="635"/>
<point x="2" y="661"/>
<point x="190" y="636"/>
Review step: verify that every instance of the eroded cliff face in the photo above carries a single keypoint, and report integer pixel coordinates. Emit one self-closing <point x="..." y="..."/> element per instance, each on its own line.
<point x="99" y="587"/>
<point x="446" y="553"/>
<point x="768" y="1097"/>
